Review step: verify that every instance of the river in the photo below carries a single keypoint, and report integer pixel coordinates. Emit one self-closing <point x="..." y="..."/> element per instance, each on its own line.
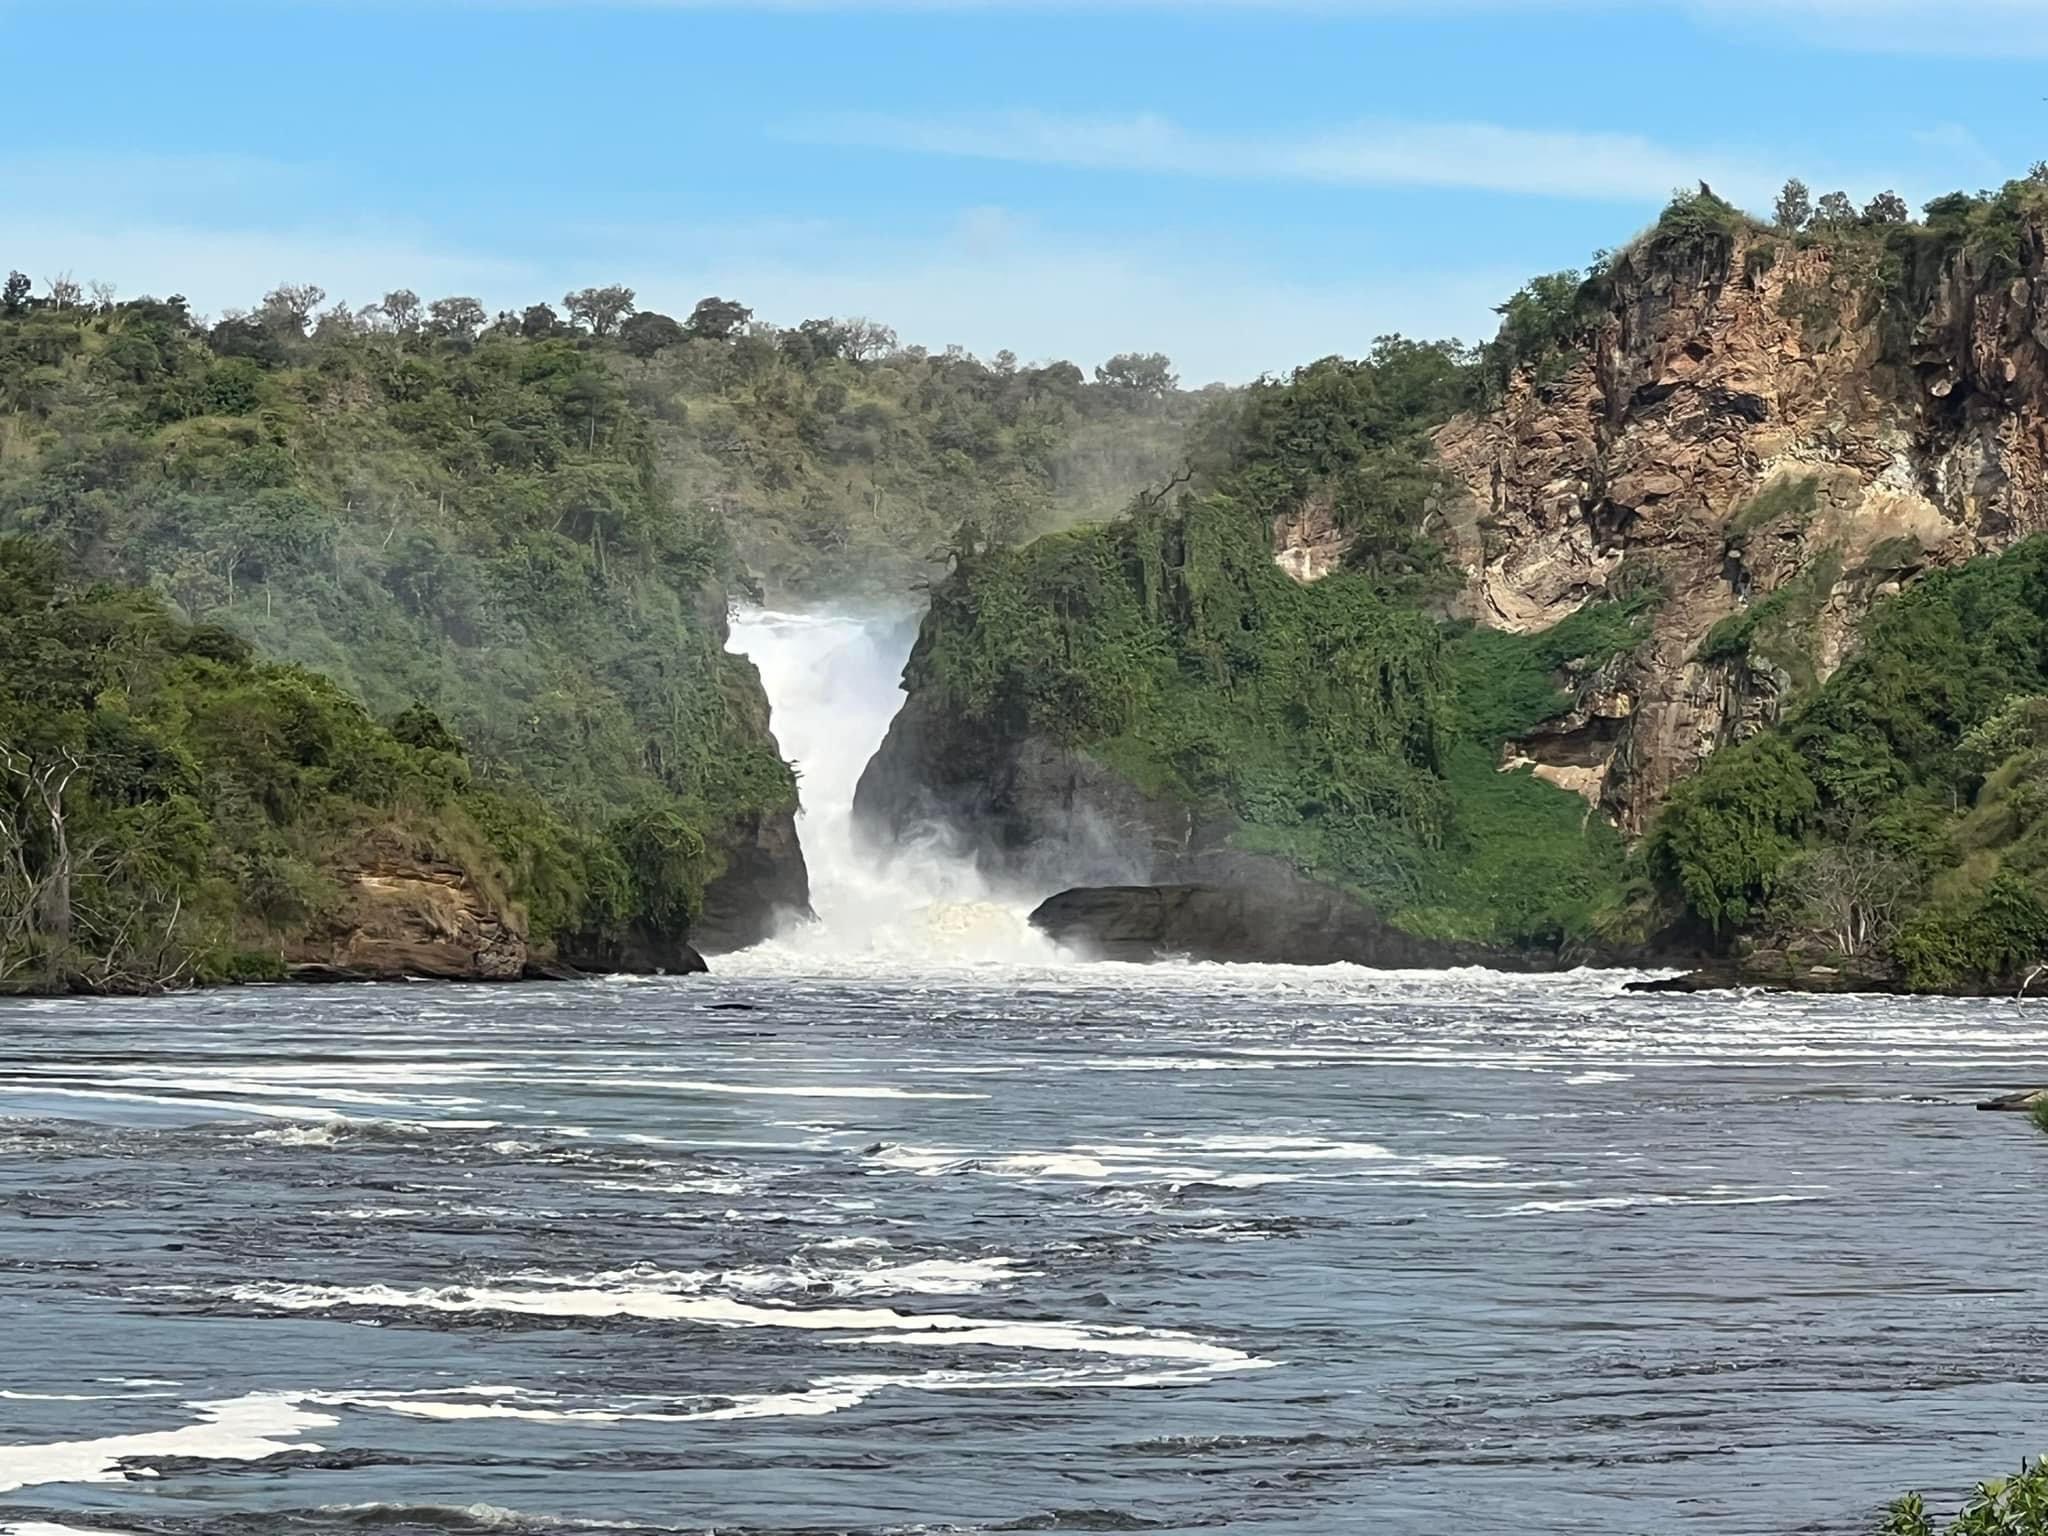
<point x="901" y="1224"/>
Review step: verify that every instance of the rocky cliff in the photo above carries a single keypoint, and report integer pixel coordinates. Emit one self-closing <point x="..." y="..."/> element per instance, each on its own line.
<point x="1656" y="513"/>
<point x="1777" y="432"/>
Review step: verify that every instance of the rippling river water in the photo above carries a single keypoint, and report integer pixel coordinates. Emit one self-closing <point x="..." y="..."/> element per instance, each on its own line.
<point x="1085" y="1248"/>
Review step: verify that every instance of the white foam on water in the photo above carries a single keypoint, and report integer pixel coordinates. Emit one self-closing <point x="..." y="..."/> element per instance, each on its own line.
<point x="298" y="1135"/>
<point x="79" y="1397"/>
<point x="1122" y="1163"/>
<point x="808" y="1275"/>
<point x="179" y="1101"/>
<point x="659" y="1304"/>
<point x="816" y="1090"/>
<point x="827" y="1397"/>
<point x="247" y="1428"/>
<point x="45" y="1528"/>
<point x="1632" y="1202"/>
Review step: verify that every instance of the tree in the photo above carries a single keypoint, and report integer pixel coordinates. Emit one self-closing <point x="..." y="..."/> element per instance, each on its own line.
<point x="866" y="340"/>
<point x="401" y="308"/>
<point x="717" y="319"/>
<point x="458" y="319"/>
<point x="65" y="291"/>
<point x="339" y="320"/>
<point x="1835" y="211"/>
<point x="814" y="341"/>
<point x="14" y="294"/>
<point x="1142" y="373"/>
<point x="538" y="320"/>
<point x="2037" y="173"/>
<point x="599" y="308"/>
<point x="246" y="336"/>
<point x="1851" y="892"/>
<point x="289" y="306"/>
<point x="1886" y="208"/>
<point x="1794" y="209"/>
<point x="648" y="332"/>
<point x="45" y="782"/>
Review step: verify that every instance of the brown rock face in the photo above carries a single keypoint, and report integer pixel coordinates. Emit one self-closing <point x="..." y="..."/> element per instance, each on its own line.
<point x="1307" y="542"/>
<point x="403" y="914"/>
<point x="1709" y="381"/>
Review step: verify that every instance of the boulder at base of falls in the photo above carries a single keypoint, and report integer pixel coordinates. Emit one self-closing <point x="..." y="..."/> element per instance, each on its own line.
<point x="1275" y="916"/>
<point x="638" y="953"/>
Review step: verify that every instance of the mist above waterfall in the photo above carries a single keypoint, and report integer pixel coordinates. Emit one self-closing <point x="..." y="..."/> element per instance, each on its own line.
<point x="832" y="679"/>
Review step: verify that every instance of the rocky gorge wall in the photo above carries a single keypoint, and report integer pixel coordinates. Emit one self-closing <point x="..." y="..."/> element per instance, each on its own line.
<point x="1740" y="420"/>
<point x="1739" y="441"/>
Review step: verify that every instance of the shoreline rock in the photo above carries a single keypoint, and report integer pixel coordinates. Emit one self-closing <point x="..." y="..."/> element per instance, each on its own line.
<point x="1273" y="916"/>
<point x="2022" y="1099"/>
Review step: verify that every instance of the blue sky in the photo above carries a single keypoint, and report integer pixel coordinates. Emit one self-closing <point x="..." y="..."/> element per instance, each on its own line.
<point x="1245" y="186"/>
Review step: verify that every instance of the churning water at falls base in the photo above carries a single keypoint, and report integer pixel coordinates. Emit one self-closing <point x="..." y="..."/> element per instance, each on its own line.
<point x="833" y="685"/>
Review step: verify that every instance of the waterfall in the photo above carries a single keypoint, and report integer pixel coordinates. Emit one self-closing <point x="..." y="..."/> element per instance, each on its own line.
<point x="832" y="684"/>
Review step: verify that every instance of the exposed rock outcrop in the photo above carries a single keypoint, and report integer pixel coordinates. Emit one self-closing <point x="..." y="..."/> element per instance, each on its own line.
<point x="405" y="914"/>
<point x="1308" y="542"/>
<point x="1714" y="376"/>
<point x="765" y="880"/>
<point x="1266" y="913"/>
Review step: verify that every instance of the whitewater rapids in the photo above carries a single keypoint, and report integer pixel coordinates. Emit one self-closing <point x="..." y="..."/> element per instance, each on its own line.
<point x="833" y="685"/>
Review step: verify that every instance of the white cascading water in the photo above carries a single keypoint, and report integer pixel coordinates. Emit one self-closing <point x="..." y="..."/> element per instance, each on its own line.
<point x="832" y="680"/>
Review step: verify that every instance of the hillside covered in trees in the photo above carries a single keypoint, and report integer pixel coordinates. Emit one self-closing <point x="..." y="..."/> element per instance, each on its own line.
<point x="844" y="464"/>
<point x="527" y="531"/>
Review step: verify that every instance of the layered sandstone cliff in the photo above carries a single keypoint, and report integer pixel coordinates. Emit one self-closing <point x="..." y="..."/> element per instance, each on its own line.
<point x="1741" y="418"/>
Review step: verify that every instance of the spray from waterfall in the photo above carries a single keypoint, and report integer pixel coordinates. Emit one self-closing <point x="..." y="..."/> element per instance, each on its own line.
<point x="832" y="684"/>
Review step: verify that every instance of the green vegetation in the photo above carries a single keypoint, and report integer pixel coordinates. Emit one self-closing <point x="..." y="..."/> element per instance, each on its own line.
<point x="1339" y="723"/>
<point x="1898" y="263"/>
<point x="1541" y="329"/>
<point x="1787" y="502"/>
<point x="171" y="809"/>
<point x="844" y="463"/>
<point x="2004" y="1506"/>
<point x="1777" y="630"/>
<point x="473" y="521"/>
<point x="1919" y="773"/>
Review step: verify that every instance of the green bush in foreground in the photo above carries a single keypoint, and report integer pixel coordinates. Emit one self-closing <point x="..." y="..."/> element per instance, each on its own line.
<point x="2004" y="1506"/>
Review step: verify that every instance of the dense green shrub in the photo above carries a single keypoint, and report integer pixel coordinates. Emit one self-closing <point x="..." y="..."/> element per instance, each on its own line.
<point x="2004" y="1506"/>
<point x="171" y="809"/>
<point x="1926" y="748"/>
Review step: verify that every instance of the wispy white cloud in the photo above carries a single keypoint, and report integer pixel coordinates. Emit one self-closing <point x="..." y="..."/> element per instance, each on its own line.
<point x="1476" y="156"/>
